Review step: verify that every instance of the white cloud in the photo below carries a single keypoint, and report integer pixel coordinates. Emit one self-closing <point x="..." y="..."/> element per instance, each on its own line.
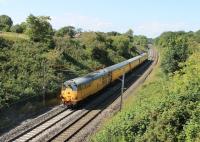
<point x="77" y="20"/>
<point x="153" y="29"/>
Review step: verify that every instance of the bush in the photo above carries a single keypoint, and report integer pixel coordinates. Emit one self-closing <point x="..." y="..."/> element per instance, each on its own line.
<point x="66" y="31"/>
<point x="16" y="29"/>
<point x="22" y="72"/>
<point x="122" y="45"/>
<point x="176" y="51"/>
<point x="5" y="43"/>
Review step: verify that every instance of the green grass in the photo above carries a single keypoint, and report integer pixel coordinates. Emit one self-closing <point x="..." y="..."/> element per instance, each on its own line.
<point x="13" y="36"/>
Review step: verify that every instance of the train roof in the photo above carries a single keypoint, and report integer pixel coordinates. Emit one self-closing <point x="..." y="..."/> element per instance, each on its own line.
<point x="116" y="66"/>
<point x="119" y="65"/>
<point x="94" y="75"/>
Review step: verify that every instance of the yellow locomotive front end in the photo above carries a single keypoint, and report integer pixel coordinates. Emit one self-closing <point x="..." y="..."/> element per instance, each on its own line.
<point x="69" y="93"/>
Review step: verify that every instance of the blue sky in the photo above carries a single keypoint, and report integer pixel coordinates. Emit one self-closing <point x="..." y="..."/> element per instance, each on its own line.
<point x="146" y="17"/>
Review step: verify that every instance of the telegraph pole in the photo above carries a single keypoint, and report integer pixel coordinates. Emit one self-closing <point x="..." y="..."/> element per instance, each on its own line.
<point x="122" y="91"/>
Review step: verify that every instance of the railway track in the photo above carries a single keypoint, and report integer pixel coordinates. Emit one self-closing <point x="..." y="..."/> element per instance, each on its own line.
<point x="31" y="124"/>
<point x="29" y="135"/>
<point x="66" y="123"/>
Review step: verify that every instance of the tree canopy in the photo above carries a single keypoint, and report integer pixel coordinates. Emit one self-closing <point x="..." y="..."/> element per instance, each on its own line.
<point x="176" y="50"/>
<point x="5" y="23"/>
<point x="66" y="31"/>
<point x="129" y="33"/>
<point x="39" y="29"/>
<point x="17" y="29"/>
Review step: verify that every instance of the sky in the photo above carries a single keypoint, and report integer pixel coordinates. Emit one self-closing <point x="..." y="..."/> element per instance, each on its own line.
<point x="144" y="17"/>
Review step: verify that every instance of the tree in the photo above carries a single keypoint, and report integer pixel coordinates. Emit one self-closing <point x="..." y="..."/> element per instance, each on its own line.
<point x="141" y="42"/>
<point x="166" y="39"/>
<point x="175" y="53"/>
<point x="113" y="33"/>
<point x="23" y="26"/>
<point x="16" y="29"/>
<point x="5" y="23"/>
<point x="122" y="44"/>
<point x="21" y="69"/>
<point x="39" y="29"/>
<point x="69" y="30"/>
<point x="99" y="54"/>
<point x="129" y="33"/>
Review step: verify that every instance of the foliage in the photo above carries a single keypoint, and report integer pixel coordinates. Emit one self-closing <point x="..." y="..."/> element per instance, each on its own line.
<point x="69" y="31"/>
<point x="21" y="71"/>
<point x="100" y="54"/>
<point x="17" y="29"/>
<point x="5" y="23"/>
<point x="129" y="33"/>
<point x="176" y="50"/>
<point x="23" y="25"/>
<point x="122" y="44"/>
<point x="5" y="43"/>
<point x="39" y="29"/>
<point x="140" y="42"/>
<point x="113" y="33"/>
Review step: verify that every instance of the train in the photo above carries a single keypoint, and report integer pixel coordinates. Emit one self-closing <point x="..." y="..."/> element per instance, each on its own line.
<point x="78" y="89"/>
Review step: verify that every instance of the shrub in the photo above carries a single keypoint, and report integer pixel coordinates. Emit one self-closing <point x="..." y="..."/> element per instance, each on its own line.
<point x="16" y="29"/>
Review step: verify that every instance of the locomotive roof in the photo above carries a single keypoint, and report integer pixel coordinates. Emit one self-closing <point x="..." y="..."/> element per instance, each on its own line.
<point x="87" y="78"/>
<point x="94" y="75"/>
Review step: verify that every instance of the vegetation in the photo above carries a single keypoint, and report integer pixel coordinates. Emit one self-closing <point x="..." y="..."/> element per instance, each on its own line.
<point x="13" y="36"/>
<point x="66" y="31"/>
<point x="176" y="50"/>
<point x="38" y="58"/>
<point x="5" y="23"/>
<point x="39" y="29"/>
<point x="17" y="29"/>
<point x="166" y="108"/>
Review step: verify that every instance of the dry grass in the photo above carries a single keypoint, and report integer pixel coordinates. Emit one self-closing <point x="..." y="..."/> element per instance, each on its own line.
<point x="13" y="36"/>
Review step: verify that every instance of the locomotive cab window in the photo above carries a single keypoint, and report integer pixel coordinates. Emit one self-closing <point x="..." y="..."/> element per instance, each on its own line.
<point x="71" y="86"/>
